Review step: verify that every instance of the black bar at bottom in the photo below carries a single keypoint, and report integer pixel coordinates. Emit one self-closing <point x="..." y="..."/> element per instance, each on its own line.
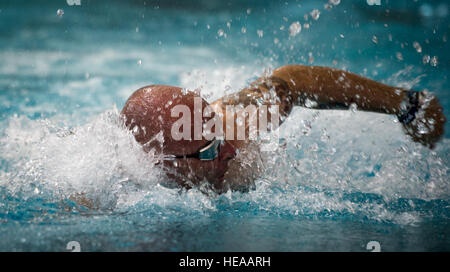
<point x="223" y="261"/>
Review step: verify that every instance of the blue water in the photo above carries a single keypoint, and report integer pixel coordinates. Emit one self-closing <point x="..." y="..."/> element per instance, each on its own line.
<point x="338" y="180"/>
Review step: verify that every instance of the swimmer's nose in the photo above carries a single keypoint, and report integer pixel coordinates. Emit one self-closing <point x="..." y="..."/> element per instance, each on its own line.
<point x="227" y="151"/>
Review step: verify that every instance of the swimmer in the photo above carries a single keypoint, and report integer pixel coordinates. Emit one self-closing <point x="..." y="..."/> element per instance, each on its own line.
<point x="235" y="164"/>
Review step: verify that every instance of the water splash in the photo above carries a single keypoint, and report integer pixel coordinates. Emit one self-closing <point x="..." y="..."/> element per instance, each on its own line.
<point x="98" y="160"/>
<point x="339" y="176"/>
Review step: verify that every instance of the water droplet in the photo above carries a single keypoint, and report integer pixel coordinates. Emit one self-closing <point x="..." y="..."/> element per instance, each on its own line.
<point x="399" y="56"/>
<point x="311" y="58"/>
<point x="260" y="33"/>
<point x="220" y="32"/>
<point x="310" y="103"/>
<point x="276" y="41"/>
<point x="294" y="29"/>
<point x="353" y="107"/>
<point x="315" y="14"/>
<point x="135" y="130"/>
<point x="434" y="61"/>
<point x="243" y="30"/>
<point x="417" y="46"/>
<point x="426" y="59"/>
<point x="335" y="2"/>
<point x="421" y="128"/>
<point x="374" y="39"/>
<point x="139" y="62"/>
<point x="249" y="11"/>
<point x="60" y="12"/>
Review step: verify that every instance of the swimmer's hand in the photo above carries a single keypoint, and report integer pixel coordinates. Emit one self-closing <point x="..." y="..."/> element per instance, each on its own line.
<point x="428" y="125"/>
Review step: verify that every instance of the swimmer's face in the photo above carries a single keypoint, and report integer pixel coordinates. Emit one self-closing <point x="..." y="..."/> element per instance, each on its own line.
<point x="193" y="170"/>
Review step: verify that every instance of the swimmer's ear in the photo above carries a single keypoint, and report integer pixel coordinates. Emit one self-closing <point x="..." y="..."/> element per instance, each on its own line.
<point x="427" y="127"/>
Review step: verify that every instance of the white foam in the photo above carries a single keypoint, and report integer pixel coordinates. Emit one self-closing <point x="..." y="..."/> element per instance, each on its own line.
<point x="96" y="159"/>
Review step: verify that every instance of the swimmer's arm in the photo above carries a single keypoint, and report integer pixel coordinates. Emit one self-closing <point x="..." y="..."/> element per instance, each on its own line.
<point x="320" y="88"/>
<point x="328" y="88"/>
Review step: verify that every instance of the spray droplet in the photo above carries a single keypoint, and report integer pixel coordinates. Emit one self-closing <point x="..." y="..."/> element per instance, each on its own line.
<point x="139" y="62"/>
<point x="135" y="130"/>
<point x="417" y="46"/>
<point x="294" y="29"/>
<point x="335" y="2"/>
<point x="243" y="30"/>
<point x="311" y="58"/>
<point x="434" y="61"/>
<point x="315" y="14"/>
<point x="220" y="32"/>
<point x="422" y="128"/>
<point x="260" y="33"/>
<point x="426" y="59"/>
<point x="374" y="39"/>
<point x="310" y="103"/>
<point x="60" y="12"/>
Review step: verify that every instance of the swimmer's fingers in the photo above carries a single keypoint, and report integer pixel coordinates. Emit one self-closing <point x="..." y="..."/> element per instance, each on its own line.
<point x="428" y="126"/>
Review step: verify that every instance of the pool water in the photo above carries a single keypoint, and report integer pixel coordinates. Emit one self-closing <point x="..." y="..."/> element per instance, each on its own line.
<point x="338" y="180"/>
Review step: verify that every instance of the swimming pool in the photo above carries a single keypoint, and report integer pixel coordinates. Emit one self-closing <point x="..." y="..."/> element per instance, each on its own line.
<point x="338" y="180"/>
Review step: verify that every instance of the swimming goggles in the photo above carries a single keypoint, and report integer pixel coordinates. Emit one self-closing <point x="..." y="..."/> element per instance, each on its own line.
<point x="208" y="153"/>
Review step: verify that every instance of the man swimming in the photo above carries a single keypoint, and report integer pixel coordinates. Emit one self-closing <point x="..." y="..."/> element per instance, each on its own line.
<point x="232" y="163"/>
